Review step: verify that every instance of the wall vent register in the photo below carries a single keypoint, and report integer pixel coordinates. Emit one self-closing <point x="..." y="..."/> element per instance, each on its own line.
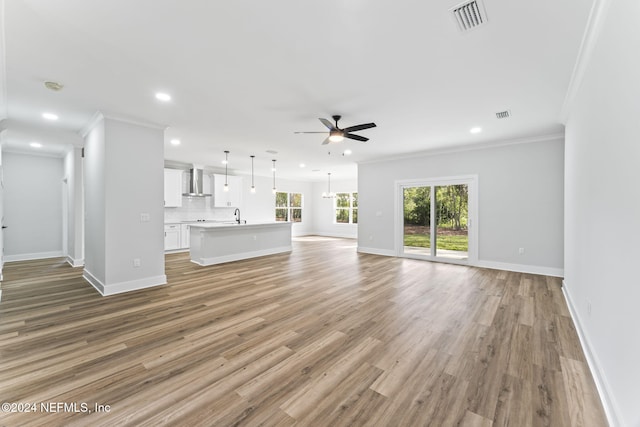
<point x="503" y="114"/>
<point x="469" y="15"/>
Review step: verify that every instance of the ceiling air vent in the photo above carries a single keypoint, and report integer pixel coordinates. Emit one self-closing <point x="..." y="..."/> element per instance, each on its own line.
<point x="503" y="114"/>
<point x="469" y="15"/>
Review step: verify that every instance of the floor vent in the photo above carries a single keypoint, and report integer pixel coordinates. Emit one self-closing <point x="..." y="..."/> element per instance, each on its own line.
<point x="469" y="15"/>
<point x="503" y="114"/>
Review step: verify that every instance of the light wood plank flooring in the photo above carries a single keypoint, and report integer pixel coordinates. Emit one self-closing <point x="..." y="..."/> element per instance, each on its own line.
<point x="319" y="337"/>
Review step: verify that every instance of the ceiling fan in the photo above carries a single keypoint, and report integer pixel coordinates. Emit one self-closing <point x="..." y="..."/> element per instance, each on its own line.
<point x="338" y="135"/>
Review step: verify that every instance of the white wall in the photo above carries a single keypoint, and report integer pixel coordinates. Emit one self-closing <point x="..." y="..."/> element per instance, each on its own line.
<point x="74" y="209"/>
<point x="95" y="199"/>
<point x="520" y="198"/>
<point x="602" y="209"/>
<point x="32" y="206"/>
<point x="324" y="214"/>
<point x="124" y="178"/>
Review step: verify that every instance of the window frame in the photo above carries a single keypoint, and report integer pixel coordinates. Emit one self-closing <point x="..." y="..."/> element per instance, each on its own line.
<point x="351" y="208"/>
<point x="288" y="208"/>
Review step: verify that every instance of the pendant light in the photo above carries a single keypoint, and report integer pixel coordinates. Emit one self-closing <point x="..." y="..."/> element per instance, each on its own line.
<point x="253" y="187"/>
<point x="226" y="170"/>
<point x="328" y="194"/>
<point x="274" y="176"/>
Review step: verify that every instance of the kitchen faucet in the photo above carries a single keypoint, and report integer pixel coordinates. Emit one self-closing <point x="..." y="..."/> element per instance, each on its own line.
<point x="236" y="213"/>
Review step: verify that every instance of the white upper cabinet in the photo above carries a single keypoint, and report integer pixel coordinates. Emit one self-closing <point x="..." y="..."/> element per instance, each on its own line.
<point x="227" y="199"/>
<point x="172" y="188"/>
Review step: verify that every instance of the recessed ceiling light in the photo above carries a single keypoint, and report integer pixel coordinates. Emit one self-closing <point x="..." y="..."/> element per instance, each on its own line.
<point x="475" y="130"/>
<point x="272" y="152"/>
<point x="163" y="97"/>
<point x="347" y="152"/>
<point x="302" y="165"/>
<point x="50" y="116"/>
<point x="35" y="144"/>
<point x="315" y="170"/>
<point x="175" y="142"/>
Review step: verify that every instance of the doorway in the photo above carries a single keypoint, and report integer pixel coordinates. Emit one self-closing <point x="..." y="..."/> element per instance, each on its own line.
<point x="437" y="219"/>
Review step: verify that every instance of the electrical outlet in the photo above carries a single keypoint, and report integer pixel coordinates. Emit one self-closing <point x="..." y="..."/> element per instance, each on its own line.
<point x="136" y="262"/>
<point x="521" y="251"/>
<point x="255" y="237"/>
<point x="589" y="307"/>
<point x="371" y="237"/>
<point x="145" y="217"/>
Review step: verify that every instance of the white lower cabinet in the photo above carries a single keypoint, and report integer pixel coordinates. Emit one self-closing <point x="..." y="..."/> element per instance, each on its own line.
<point x="185" y="234"/>
<point x="176" y="236"/>
<point x="172" y="237"/>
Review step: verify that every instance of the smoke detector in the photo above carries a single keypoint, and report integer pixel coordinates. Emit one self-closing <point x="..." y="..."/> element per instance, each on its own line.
<point x="54" y="86"/>
<point x="469" y="15"/>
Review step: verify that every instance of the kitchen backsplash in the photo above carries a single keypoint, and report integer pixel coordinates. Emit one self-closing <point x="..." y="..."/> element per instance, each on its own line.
<point x="194" y="208"/>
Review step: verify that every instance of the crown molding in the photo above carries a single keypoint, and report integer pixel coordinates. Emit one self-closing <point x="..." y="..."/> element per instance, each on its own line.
<point x="461" y="148"/>
<point x="589" y="39"/>
<point x="32" y="152"/>
<point x="93" y="121"/>
<point x="101" y="115"/>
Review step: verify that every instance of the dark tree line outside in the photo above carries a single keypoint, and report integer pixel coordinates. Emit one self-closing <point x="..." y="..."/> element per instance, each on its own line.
<point x="452" y="207"/>
<point x="452" y="211"/>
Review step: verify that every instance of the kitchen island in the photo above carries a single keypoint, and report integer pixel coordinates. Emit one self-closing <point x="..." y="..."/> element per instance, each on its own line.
<point x="216" y="243"/>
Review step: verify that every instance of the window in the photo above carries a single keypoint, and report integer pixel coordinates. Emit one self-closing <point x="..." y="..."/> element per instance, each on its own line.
<point x="289" y="207"/>
<point x="346" y="208"/>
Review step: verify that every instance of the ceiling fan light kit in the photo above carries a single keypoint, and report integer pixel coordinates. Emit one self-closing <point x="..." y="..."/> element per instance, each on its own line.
<point x="336" y="134"/>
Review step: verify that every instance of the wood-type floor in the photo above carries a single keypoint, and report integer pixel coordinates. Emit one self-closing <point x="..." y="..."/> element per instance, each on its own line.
<point x="322" y="336"/>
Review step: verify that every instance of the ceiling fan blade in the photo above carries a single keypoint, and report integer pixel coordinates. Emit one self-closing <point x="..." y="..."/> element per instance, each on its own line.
<point x="326" y="141"/>
<point x="359" y="127"/>
<point x="356" y="137"/>
<point x="311" y="132"/>
<point x="328" y="124"/>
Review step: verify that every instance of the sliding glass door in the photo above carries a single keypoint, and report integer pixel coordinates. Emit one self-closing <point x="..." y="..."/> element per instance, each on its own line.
<point x="452" y="221"/>
<point x="417" y="220"/>
<point x="436" y="219"/>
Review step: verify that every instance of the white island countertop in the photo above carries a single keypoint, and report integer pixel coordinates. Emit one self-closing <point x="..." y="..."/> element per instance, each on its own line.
<point x="219" y="242"/>
<point x="235" y="224"/>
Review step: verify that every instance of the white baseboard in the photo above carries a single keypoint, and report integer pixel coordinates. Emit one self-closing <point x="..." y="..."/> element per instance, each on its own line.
<point x="602" y="384"/>
<point x="118" y="288"/>
<point x="519" y="268"/>
<point x="241" y="256"/>
<point x="322" y="234"/>
<point x="376" y="251"/>
<point x="37" y="255"/>
<point x="176" y="251"/>
<point x="522" y="268"/>
<point x="75" y="262"/>
<point x="333" y="234"/>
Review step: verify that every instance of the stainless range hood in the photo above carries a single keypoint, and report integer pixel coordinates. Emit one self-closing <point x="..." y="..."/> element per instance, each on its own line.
<point x="196" y="183"/>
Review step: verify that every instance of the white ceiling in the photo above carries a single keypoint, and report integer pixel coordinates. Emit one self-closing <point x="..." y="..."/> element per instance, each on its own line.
<point x="244" y="75"/>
